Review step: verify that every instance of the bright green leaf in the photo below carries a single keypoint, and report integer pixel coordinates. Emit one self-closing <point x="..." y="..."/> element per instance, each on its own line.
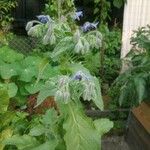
<point x="103" y="125"/>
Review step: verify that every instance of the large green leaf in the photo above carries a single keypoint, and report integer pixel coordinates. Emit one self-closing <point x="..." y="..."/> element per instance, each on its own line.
<point x="4" y="100"/>
<point x="80" y="131"/>
<point x="24" y="142"/>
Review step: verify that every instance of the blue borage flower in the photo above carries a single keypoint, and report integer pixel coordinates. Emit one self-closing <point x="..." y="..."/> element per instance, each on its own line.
<point x="80" y="76"/>
<point x="89" y="26"/>
<point x="78" y="15"/>
<point x="44" y="18"/>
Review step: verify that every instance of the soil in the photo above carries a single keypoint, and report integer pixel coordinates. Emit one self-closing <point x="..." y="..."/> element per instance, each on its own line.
<point x="45" y="105"/>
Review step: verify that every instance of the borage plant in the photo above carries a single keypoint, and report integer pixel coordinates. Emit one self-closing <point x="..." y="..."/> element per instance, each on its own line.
<point x="57" y="128"/>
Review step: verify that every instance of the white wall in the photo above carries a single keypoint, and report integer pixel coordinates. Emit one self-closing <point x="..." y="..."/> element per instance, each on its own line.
<point x="136" y="14"/>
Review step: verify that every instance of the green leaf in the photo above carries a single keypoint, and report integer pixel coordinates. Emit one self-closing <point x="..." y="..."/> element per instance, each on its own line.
<point x="50" y="145"/>
<point x="37" y="130"/>
<point x="12" y="89"/>
<point x="24" y="142"/>
<point x="47" y="90"/>
<point x="118" y="3"/>
<point x="98" y="97"/>
<point x="28" y="73"/>
<point x="80" y="131"/>
<point x="50" y="72"/>
<point x="32" y="61"/>
<point x="50" y="117"/>
<point x="8" y="55"/>
<point x="5" y="134"/>
<point x="103" y="125"/>
<point x="7" y="71"/>
<point x="4" y="100"/>
<point x="140" y="86"/>
<point x="34" y="88"/>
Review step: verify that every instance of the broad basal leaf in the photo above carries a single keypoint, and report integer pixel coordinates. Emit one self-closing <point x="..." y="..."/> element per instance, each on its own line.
<point x="80" y="131"/>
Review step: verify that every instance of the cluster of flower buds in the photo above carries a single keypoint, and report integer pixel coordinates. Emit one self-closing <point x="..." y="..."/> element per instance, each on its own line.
<point x="89" y="90"/>
<point x="63" y="92"/>
<point x="82" y="46"/>
<point x="78" y="15"/>
<point x="44" y="18"/>
<point x="89" y="26"/>
<point x="80" y="76"/>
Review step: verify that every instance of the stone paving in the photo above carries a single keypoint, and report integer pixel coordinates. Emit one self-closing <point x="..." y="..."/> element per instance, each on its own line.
<point x="114" y="143"/>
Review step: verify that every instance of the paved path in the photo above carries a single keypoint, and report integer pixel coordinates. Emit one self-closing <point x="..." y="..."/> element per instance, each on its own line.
<point x="114" y="143"/>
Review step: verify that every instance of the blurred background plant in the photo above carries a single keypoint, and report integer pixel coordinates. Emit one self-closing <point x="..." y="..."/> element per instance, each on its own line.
<point x="6" y="7"/>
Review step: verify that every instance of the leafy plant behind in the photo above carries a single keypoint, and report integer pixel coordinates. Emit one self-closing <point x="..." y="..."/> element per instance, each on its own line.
<point x="132" y="87"/>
